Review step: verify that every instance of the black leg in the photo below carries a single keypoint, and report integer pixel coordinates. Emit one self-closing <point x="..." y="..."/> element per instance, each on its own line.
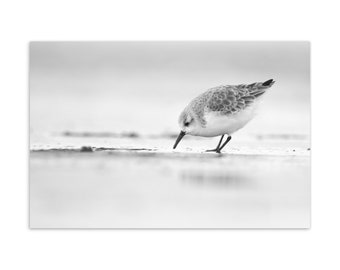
<point x="225" y="143"/>
<point x="217" y="147"/>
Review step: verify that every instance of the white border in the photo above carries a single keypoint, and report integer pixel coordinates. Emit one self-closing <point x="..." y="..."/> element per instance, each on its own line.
<point x="23" y="21"/>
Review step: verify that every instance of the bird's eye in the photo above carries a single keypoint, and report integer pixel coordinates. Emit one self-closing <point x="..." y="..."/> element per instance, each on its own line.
<point x="188" y="122"/>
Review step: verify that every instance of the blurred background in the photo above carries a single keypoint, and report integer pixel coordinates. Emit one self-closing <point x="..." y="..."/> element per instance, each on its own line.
<point x="103" y="120"/>
<point x="143" y="86"/>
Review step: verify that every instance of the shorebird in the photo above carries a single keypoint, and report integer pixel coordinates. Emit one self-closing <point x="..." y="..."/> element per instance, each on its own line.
<point x="221" y="111"/>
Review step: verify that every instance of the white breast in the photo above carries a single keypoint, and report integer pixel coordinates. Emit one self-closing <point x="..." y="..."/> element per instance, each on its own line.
<point x="218" y="124"/>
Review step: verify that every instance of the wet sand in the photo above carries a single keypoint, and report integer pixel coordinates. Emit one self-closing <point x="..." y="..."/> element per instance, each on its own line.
<point x="140" y="182"/>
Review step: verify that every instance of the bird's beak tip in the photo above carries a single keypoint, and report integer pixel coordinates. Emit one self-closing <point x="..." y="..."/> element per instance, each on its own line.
<point x="179" y="138"/>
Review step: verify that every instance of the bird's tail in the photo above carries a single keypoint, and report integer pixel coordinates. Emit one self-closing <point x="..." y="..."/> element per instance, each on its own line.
<point x="257" y="89"/>
<point x="268" y="83"/>
<point x="263" y="85"/>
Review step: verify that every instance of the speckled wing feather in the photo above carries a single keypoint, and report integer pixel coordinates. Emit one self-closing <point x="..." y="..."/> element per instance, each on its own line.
<point x="230" y="99"/>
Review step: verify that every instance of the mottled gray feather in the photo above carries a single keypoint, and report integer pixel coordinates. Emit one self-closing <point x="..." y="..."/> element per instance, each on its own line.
<point x="227" y="99"/>
<point x="230" y="99"/>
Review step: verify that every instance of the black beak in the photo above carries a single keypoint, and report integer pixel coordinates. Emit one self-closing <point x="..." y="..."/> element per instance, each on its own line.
<point x="179" y="138"/>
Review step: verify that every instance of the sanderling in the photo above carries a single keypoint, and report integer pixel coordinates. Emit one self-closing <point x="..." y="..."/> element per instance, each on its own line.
<point x="221" y="110"/>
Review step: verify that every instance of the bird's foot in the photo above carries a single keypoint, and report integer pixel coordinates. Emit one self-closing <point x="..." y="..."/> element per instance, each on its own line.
<point x="214" y="150"/>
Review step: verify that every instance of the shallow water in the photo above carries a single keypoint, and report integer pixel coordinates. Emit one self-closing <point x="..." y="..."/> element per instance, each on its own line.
<point x="143" y="183"/>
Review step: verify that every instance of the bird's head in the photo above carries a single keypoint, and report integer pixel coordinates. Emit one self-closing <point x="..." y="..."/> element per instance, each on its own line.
<point x="188" y="125"/>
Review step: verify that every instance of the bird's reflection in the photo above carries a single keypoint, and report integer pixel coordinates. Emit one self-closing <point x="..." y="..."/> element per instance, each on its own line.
<point x="228" y="179"/>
